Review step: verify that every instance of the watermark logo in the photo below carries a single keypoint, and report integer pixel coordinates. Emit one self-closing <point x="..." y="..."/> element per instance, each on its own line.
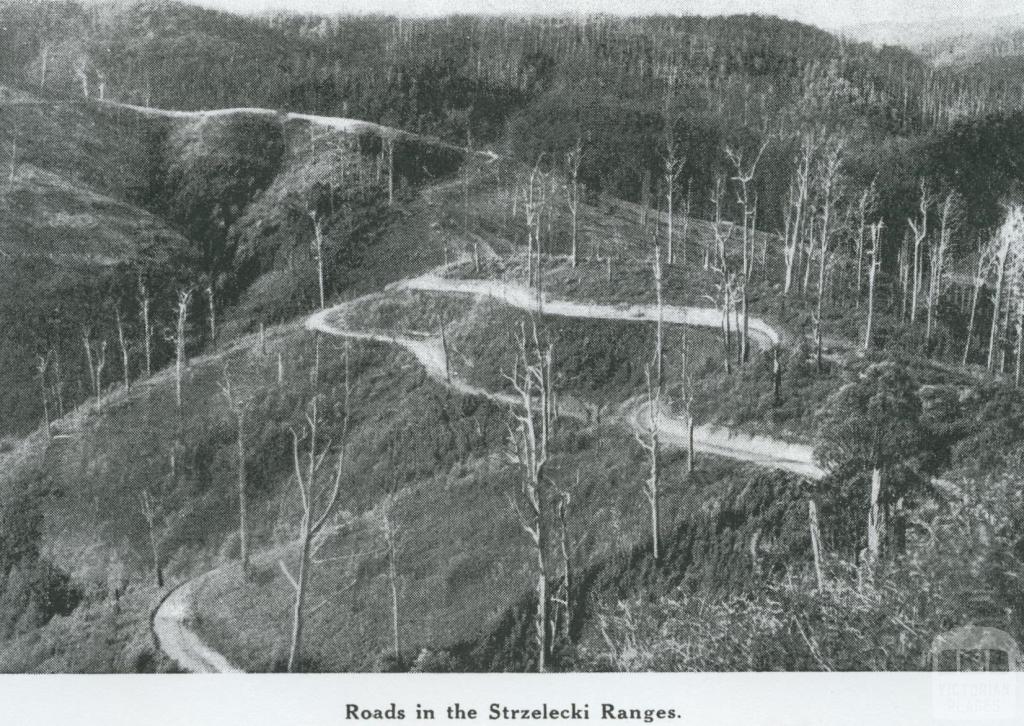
<point x="975" y="675"/>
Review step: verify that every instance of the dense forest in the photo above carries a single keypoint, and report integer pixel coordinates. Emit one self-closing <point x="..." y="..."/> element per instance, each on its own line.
<point x="864" y="201"/>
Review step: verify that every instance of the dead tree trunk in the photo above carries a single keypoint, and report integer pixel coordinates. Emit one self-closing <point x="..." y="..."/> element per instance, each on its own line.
<point x="444" y="352"/>
<point x="673" y="168"/>
<point x="876" y="231"/>
<point x="937" y="267"/>
<point x="124" y="349"/>
<point x="572" y="162"/>
<point x="184" y="297"/>
<point x="389" y="150"/>
<point x="812" y="520"/>
<point x="87" y="343"/>
<point x="920" y="231"/>
<point x="147" y="330"/>
<point x="1002" y="254"/>
<point x="686" y="220"/>
<point x="312" y="522"/>
<point x="211" y="308"/>
<point x="42" y="363"/>
<point x="979" y="281"/>
<point x="531" y="381"/>
<point x="829" y="183"/>
<point x="318" y="252"/>
<point x="687" y="399"/>
<point x="1020" y="341"/>
<point x="652" y="445"/>
<point x="794" y="221"/>
<point x="389" y="537"/>
<point x="101" y="363"/>
<point x="659" y="351"/>
<point x="868" y="201"/>
<point x="874" y="516"/>
<point x="565" y="594"/>
<point x="745" y="175"/>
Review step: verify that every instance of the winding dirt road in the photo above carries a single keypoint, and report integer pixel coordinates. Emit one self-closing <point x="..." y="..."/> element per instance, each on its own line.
<point x="181" y="643"/>
<point x="718" y="440"/>
<point x="526" y="299"/>
<point x="335" y="123"/>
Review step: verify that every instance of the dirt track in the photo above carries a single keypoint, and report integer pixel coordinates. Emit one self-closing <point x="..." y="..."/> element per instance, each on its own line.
<point x="181" y="643"/>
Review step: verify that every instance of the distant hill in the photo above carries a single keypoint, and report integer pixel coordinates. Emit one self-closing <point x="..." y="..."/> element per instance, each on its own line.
<point x="948" y="41"/>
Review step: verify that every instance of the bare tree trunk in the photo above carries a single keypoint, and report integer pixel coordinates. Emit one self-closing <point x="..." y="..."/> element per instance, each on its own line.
<point x="673" y="168"/>
<point x="936" y="268"/>
<point x="564" y="501"/>
<point x="745" y="176"/>
<point x="389" y="148"/>
<point x="978" y="282"/>
<point x="389" y="536"/>
<point x="318" y="251"/>
<point x="311" y="523"/>
<point x="184" y="297"/>
<point x="124" y="349"/>
<point x="659" y="353"/>
<point x="532" y="382"/>
<point x="830" y="179"/>
<point x="687" y="397"/>
<point x="876" y="231"/>
<point x="243" y="516"/>
<point x="444" y="350"/>
<point x="920" y="230"/>
<point x="997" y="308"/>
<point x="1003" y="349"/>
<point x="147" y="330"/>
<point x="812" y="519"/>
<point x="101" y="363"/>
<point x="42" y="362"/>
<point x="728" y="334"/>
<point x="652" y="444"/>
<point x="573" y="160"/>
<point x="87" y="342"/>
<point x="874" y="517"/>
<point x="686" y="220"/>
<point x="776" y="376"/>
<point x="1020" y="342"/>
<point x="866" y="205"/>
<point x="298" y="616"/>
<point x="211" y="309"/>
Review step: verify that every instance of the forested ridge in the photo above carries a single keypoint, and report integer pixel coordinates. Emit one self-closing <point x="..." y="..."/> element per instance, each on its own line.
<point x="860" y="203"/>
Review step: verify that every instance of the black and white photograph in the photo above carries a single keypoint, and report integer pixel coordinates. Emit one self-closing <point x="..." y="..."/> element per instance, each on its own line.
<point x="462" y="337"/>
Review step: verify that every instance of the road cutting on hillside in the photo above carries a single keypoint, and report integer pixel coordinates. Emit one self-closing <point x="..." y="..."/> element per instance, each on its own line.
<point x="721" y="441"/>
<point x="179" y="642"/>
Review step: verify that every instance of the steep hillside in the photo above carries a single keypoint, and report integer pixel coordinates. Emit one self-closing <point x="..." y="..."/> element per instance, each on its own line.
<point x="108" y="208"/>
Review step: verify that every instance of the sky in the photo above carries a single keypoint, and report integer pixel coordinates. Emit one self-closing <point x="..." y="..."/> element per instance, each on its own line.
<point x="824" y="13"/>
